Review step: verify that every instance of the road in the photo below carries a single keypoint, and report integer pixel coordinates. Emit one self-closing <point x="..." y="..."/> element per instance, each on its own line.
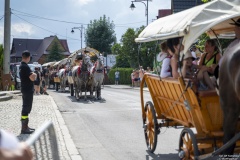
<point x="112" y="129"/>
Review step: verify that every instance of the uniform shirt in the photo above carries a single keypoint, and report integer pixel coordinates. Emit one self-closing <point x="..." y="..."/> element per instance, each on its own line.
<point x="26" y="84"/>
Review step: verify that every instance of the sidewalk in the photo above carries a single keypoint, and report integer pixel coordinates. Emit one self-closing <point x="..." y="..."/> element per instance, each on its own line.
<point x="44" y="109"/>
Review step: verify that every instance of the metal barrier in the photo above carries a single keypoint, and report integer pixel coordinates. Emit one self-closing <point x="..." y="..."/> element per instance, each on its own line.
<point x="44" y="142"/>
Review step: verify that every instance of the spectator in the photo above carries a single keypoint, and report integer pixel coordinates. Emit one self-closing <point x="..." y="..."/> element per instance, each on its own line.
<point x="141" y="73"/>
<point x="37" y="81"/>
<point x="117" y="76"/>
<point x="11" y="149"/>
<point x="46" y="75"/>
<point x="132" y="77"/>
<point x="27" y="88"/>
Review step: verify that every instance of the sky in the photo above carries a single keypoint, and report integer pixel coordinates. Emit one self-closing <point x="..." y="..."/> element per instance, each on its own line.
<point x="37" y="19"/>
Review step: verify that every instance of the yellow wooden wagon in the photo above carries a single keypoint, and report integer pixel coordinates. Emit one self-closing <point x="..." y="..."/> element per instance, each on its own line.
<point x="174" y="103"/>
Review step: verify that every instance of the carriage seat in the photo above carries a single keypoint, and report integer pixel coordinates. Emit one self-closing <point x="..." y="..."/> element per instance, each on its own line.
<point x="207" y="93"/>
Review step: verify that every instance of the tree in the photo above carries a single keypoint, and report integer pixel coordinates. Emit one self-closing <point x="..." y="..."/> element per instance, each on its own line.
<point x="100" y="34"/>
<point x="121" y="59"/>
<point x="138" y="54"/>
<point x="55" y="53"/>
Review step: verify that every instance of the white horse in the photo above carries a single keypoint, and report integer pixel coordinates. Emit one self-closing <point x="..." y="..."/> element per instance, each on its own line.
<point x="62" y="74"/>
<point x="80" y="75"/>
<point x="97" y="71"/>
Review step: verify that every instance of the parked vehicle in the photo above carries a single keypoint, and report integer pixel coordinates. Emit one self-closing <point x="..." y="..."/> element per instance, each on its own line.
<point x="17" y="76"/>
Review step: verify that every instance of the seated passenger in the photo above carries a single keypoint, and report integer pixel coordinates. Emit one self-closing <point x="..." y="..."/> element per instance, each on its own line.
<point x="165" y="66"/>
<point x="198" y="74"/>
<point x="174" y="48"/>
<point x="211" y="58"/>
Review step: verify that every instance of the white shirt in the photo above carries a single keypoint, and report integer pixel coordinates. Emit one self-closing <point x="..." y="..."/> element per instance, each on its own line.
<point x="165" y="70"/>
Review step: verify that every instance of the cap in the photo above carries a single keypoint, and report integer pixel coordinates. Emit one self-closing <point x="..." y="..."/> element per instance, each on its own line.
<point x="236" y="23"/>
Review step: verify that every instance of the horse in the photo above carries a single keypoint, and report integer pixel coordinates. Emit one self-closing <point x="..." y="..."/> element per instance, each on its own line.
<point x="97" y="71"/>
<point x="229" y="93"/>
<point x="62" y="74"/>
<point x="80" y="75"/>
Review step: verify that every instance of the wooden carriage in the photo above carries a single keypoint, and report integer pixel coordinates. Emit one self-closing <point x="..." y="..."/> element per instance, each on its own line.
<point x="175" y="104"/>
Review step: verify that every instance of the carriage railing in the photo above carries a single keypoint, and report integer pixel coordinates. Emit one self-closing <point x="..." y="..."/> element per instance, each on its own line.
<point x="43" y="142"/>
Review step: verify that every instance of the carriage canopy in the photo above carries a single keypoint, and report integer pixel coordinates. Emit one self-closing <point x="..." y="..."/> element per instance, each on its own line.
<point x="212" y="17"/>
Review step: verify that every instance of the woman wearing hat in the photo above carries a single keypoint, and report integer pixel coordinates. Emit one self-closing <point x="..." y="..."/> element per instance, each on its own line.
<point x="198" y="74"/>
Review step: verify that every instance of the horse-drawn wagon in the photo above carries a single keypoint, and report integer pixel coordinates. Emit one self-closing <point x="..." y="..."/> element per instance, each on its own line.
<point x="87" y="72"/>
<point x="174" y="103"/>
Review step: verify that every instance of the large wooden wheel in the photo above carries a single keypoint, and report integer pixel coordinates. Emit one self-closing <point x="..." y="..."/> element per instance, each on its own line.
<point x="188" y="148"/>
<point x="150" y="126"/>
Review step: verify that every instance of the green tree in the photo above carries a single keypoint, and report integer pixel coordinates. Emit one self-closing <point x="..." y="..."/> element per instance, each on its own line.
<point x="100" y="34"/>
<point x="121" y="59"/>
<point x="138" y="54"/>
<point x="55" y="53"/>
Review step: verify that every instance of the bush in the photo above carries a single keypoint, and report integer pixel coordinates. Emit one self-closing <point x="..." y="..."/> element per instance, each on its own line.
<point x="125" y="75"/>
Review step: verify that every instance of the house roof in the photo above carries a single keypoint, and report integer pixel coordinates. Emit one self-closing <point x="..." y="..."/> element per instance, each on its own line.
<point x="20" y="45"/>
<point x="37" y="47"/>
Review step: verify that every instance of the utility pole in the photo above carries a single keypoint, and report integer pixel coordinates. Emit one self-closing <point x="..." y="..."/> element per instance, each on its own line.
<point x="81" y="31"/>
<point x="7" y="30"/>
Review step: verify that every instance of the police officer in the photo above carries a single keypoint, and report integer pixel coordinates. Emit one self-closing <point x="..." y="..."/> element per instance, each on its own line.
<point x="27" y="88"/>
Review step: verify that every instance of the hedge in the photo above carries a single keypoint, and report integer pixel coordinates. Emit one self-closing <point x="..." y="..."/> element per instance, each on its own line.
<point x="125" y="75"/>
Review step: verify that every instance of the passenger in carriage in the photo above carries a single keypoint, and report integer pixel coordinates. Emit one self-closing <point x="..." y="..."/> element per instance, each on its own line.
<point x="211" y="57"/>
<point x="174" y="47"/>
<point x="165" y="66"/>
<point x="194" y="72"/>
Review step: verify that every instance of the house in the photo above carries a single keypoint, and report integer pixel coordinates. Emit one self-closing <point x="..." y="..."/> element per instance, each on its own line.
<point x="39" y="48"/>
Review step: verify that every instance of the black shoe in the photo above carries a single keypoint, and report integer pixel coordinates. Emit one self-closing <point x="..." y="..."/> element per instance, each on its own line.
<point x="32" y="129"/>
<point x="46" y="93"/>
<point x="27" y="131"/>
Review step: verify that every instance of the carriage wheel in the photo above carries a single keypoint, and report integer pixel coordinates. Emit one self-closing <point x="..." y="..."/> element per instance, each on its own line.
<point x="71" y="90"/>
<point x="188" y="148"/>
<point x="150" y="126"/>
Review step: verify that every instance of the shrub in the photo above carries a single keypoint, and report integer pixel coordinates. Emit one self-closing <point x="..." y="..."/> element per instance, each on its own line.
<point x="125" y="75"/>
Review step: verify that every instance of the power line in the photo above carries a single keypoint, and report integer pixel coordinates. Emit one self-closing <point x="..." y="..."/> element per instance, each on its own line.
<point x="34" y="16"/>
<point x="1" y="18"/>
<point x="62" y="21"/>
<point x="44" y="28"/>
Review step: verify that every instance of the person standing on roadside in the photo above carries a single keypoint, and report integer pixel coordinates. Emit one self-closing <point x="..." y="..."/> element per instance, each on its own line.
<point x="46" y="75"/>
<point x="27" y="88"/>
<point x="117" y="75"/>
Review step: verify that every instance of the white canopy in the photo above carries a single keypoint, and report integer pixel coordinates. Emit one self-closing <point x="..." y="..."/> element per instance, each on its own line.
<point x="212" y="17"/>
<point x="48" y="63"/>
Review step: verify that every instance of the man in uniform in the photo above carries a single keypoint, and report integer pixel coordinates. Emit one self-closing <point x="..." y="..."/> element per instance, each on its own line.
<point x="27" y="88"/>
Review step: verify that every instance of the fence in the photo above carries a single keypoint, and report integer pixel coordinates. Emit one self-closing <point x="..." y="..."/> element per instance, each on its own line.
<point x="44" y="143"/>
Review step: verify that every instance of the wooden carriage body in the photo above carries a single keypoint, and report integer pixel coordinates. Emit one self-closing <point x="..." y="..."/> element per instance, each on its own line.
<point x="176" y="104"/>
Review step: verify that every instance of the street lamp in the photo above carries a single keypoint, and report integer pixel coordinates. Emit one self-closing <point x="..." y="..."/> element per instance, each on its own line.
<point x="81" y="30"/>
<point x="132" y="6"/>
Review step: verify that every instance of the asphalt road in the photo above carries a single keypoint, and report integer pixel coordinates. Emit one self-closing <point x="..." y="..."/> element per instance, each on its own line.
<point x="111" y="129"/>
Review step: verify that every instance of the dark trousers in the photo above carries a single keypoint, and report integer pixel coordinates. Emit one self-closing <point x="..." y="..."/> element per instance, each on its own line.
<point x="27" y="98"/>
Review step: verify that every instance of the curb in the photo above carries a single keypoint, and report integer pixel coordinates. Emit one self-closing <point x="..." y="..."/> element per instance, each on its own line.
<point x="70" y="146"/>
<point x="5" y="98"/>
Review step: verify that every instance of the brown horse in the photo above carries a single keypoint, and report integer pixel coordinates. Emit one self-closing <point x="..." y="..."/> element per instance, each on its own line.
<point x="229" y="92"/>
